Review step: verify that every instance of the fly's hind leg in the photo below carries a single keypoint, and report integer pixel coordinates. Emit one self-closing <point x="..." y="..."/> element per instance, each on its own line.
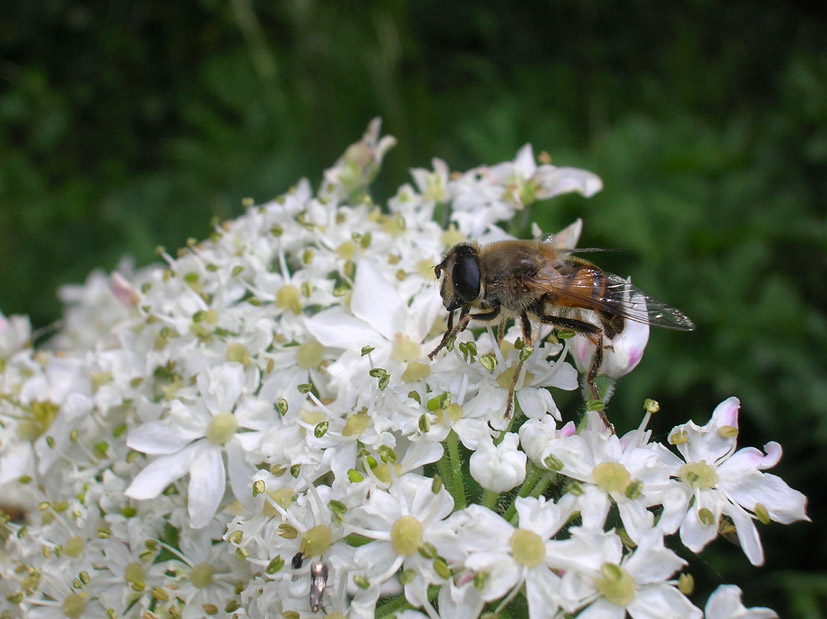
<point x="595" y="333"/>
<point x="526" y="326"/>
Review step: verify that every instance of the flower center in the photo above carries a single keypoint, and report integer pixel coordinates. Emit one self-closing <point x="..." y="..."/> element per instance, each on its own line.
<point x="288" y="298"/>
<point x="201" y="575"/>
<point x="74" y="547"/>
<point x="406" y="350"/>
<point x="527" y="548"/>
<point x="616" y="585"/>
<point x="699" y="475"/>
<point x="406" y="536"/>
<point x="316" y="541"/>
<point x="310" y="355"/>
<point x="134" y="576"/>
<point x="74" y="606"/>
<point x="611" y="476"/>
<point x="222" y="428"/>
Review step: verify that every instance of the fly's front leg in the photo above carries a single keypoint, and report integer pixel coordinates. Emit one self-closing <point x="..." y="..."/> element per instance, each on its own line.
<point x="464" y="318"/>
<point x="525" y="323"/>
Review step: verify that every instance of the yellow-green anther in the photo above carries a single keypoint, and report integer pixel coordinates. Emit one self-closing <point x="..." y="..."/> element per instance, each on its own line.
<point x="321" y="429"/>
<point x="680" y="437"/>
<point x="553" y="463"/>
<point x="651" y="406"/>
<point x="441" y="568"/>
<point x="488" y="362"/>
<point x="275" y="565"/>
<point x="761" y="513"/>
<point x="686" y="584"/>
<point x="634" y="489"/>
<point x="616" y="586"/>
<point x="706" y="517"/>
<point x="526" y="352"/>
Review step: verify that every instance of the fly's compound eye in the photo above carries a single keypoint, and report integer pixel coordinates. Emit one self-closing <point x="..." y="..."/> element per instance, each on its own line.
<point x="466" y="278"/>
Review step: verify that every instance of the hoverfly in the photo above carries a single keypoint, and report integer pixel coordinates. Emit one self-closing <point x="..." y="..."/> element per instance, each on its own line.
<point x="538" y="281"/>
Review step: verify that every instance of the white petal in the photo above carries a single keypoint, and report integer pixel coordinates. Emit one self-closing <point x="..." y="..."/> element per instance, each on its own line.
<point x="556" y="181"/>
<point x="652" y="562"/>
<point x="206" y="488"/>
<point x="158" y="474"/>
<point x="377" y="302"/>
<point x="160" y="437"/>
<point x="221" y="386"/>
<point x="240" y="473"/>
<point x="662" y="602"/>
<point x="725" y="603"/>
<point x="541" y="586"/>
<point x="336" y="329"/>
<point x="747" y="534"/>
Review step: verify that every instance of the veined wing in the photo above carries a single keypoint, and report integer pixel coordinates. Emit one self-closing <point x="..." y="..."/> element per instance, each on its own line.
<point x="581" y="285"/>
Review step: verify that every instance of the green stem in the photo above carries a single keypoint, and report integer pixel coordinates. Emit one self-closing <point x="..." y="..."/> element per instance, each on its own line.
<point x="534" y="473"/>
<point x="458" y="490"/>
<point x="489" y="499"/>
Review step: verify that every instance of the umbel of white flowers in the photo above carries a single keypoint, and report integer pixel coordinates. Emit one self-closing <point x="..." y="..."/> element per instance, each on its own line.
<point x="252" y="428"/>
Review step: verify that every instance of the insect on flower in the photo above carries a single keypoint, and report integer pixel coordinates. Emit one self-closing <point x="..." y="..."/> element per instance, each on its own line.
<point x="541" y="282"/>
<point x="318" y="584"/>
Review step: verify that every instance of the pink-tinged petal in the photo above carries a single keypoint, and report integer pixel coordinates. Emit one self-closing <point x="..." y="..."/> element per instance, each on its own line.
<point x="726" y="413"/>
<point x="568" y="430"/>
<point x="160" y="473"/>
<point x="662" y="601"/>
<point x="377" y="302"/>
<point x="336" y="329"/>
<point x="556" y="181"/>
<point x="747" y="534"/>
<point x="160" y="438"/>
<point x="206" y="487"/>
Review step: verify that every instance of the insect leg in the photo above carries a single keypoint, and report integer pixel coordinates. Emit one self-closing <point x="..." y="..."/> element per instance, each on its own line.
<point x="526" y="325"/>
<point x="464" y="318"/>
<point x="581" y="326"/>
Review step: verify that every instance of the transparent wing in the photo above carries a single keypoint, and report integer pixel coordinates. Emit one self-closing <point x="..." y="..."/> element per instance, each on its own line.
<point x="617" y="296"/>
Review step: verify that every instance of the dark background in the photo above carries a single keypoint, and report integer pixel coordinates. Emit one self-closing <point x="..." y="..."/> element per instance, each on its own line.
<point x="128" y="125"/>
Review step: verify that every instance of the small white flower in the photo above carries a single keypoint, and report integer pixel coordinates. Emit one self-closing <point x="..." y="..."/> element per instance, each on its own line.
<point x="498" y="468"/>
<point x="717" y="480"/>
<point x="192" y="440"/>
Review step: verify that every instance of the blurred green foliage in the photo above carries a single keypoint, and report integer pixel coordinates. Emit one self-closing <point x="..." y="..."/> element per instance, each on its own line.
<point x="125" y="125"/>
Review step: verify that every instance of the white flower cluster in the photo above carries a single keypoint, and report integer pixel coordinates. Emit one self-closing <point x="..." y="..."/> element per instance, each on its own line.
<point x="253" y="429"/>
